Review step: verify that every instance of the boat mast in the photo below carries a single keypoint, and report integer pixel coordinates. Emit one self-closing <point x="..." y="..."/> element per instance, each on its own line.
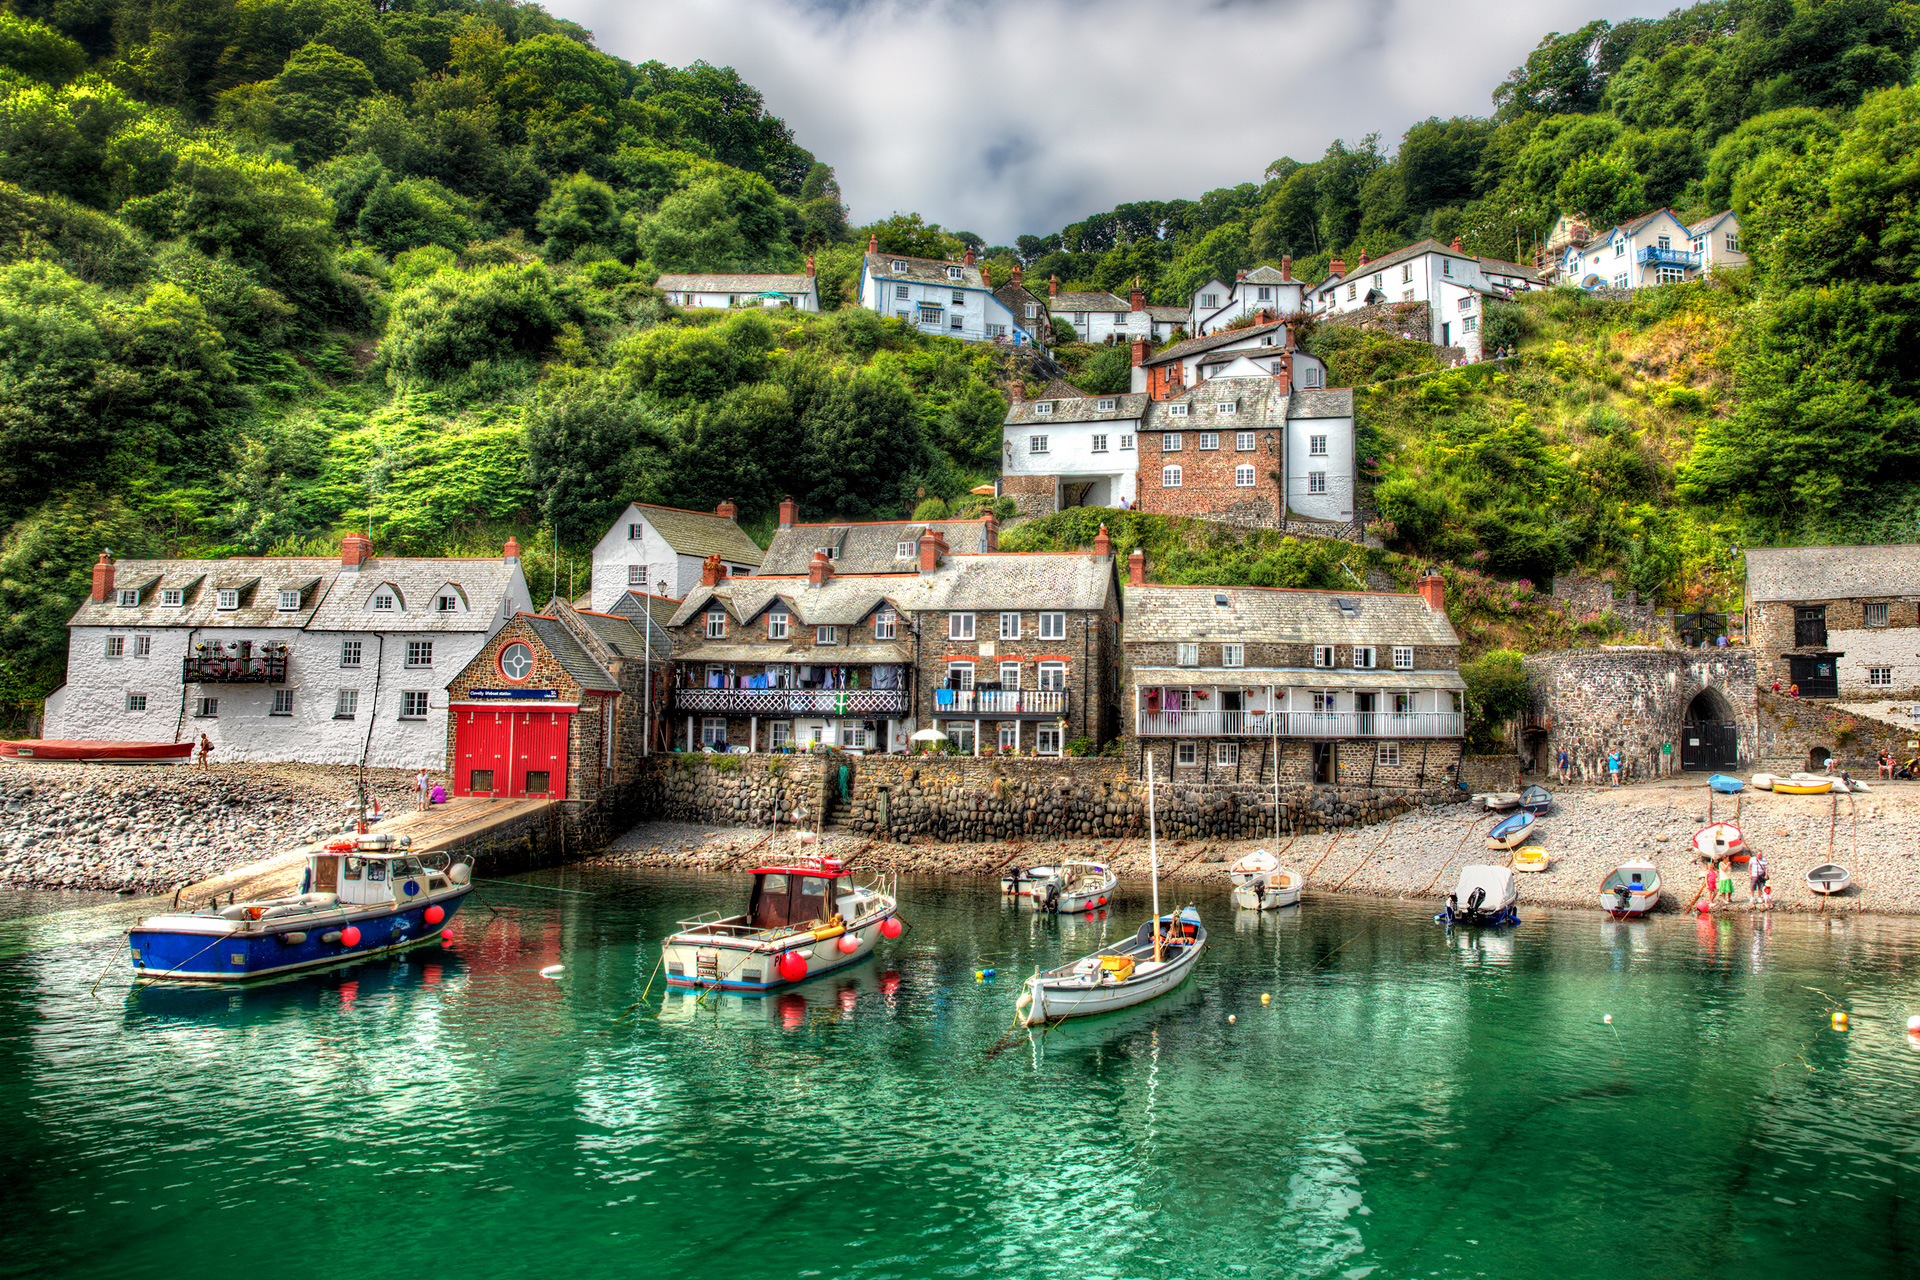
<point x="1153" y="859"/>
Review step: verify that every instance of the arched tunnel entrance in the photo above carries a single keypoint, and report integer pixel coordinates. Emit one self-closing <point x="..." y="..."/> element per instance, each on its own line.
<point x="1710" y="736"/>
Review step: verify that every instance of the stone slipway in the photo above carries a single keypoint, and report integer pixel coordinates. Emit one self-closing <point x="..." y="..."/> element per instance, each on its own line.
<point x="1418" y="855"/>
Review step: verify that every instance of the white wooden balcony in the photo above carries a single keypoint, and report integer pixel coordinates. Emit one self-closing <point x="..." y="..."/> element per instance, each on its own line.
<point x="999" y="704"/>
<point x="1298" y="724"/>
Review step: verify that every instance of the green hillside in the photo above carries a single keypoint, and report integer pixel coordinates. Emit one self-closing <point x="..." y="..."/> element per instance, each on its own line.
<point x="276" y="269"/>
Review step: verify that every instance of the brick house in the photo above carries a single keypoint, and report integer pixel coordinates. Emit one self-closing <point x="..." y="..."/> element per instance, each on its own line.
<point x="1244" y="684"/>
<point x="1263" y="348"/>
<point x="551" y="707"/>
<point x="1017" y="646"/>
<point x="1230" y="447"/>
<point x="1840" y="622"/>
<point x="872" y="546"/>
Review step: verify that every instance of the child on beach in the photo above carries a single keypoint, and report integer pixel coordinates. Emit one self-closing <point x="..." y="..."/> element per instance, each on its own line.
<point x="1726" y="882"/>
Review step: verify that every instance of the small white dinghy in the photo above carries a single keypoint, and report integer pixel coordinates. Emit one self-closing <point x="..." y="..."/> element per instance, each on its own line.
<point x="1633" y="889"/>
<point x="1016" y="882"/>
<point x="1269" y="890"/>
<point x="1258" y="863"/>
<point x="1484" y="895"/>
<point x="1763" y="781"/>
<point x="1720" y="840"/>
<point x="1073" y="886"/>
<point x="1829" y="877"/>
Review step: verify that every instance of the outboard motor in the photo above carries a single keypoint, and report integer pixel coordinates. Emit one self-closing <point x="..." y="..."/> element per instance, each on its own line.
<point x="1474" y="900"/>
<point x="1017" y="877"/>
<point x="1052" y="901"/>
<point x="1260" y="889"/>
<point x="1622" y="897"/>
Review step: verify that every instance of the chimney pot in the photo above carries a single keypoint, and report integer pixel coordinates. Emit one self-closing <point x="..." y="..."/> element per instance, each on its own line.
<point x="727" y="511"/>
<point x="1363" y="258"/>
<point x="1456" y="245"/>
<point x="930" y="549"/>
<point x="873" y="243"/>
<point x="986" y="275"/>
<point x="1433" y="589"/>
<point x="1016" y="271"/>
<point x="1103" y="543"/>
<point x="789" y="513"/>
<point x="511" y="552"/>
<point x="1286" y="266"/>
<point x="711" y="572"/>
<point x="1137" y="299"/>
<point x="1239" y="276"/>
<point x="1137" y="568"/>
<point x="967" y="260"/>
<point x="355" y="550"/>
<point x="1053" y="286"/>
<point x="809" y="266"/>
<point x="102" y="578"/>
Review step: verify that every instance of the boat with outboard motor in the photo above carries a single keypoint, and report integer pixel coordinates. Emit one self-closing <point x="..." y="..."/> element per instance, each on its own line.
<point x="1484" y="895"/>
<point x="1260" y="883"/>
<point x="1017" y="882"/>
<point x="1073" y="886"/>
<point x="805" y="917"/>
<point x="1631" y="889"/>
<point x="362" y="895"/>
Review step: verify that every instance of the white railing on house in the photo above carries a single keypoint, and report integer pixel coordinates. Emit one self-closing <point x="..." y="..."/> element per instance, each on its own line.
<point x="986" y="703"/>
<point x="1298" y="724"/>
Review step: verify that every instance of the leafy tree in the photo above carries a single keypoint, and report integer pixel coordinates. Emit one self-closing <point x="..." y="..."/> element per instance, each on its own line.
<point x="910" y="236"/>
<point x="861" y="438"/>
<point x="312" y="100"/>
<point x="1603" y="188"/>
<point x="1496" y="694"/>
<point x="700" y="364"/>
<point x="1110" y="372"/>
<point x="454" y="319"/>
<point x="38" y="52"/>
<point x="739" y="447"/>
<point x="589" y="452"/>
<point x="718" y="224"/>
<point x="46" y="561"/>
<point x="414" y="212"/>
<point x="581" y="212"/>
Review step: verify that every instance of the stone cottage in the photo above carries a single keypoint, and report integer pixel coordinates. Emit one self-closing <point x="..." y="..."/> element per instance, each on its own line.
<point x="1840" y="622"/>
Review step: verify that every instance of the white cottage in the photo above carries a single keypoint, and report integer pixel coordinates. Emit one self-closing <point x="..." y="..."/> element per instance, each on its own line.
<point x="283" y="658"/>
<point x="1456" y="287"/>
<point x="1070" y="450"/>
<point x="951" y="298"/>
<point x="1655" y="248"/>
<point x="659" y="550"/>
<point x="1215" y="305"/>
<point x="770" y="292"/>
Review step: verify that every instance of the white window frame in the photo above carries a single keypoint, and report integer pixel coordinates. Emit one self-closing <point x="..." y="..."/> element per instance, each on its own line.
<point x="1323" y="655"/>
<point x="1226" y="754"/>
<point x="1403" y="657"/>
<point x="1227" y="409"/>
<point x="1316" y="446"/>
<point x="636" y="575"/>
<point x="282" y="703"/>
<point x="116" y="646"/>
<point x="777" y="624"/>
<point x="1099" y="444"/>
<point x="383" y="601"/>
<point x="903" y="550"/>
<point x="289" y="601"/>
<point x="780" y="733"/>
<point x="419" y="653"/>
<point x="1053" y="625"/>
<point x="1104" y="405"/>
<point x="1009" y="625"/>
<point x="1880" y="676"/>
<point x="1176" y="411"/>
<point x="1186" y="753"/>
<point x="716" y="624"/>
<point x="136" y="702"/>
<point x="1233" y="655"/>
<point x="1245" y="441"/>
<point x="1170" y="477"/>
<point x="826" y="635"/>
<point x="884" y="623"/>
<point x="962" y="669"/>
<point x="1387" y="755"/>
<point x="173" y="597"/>
<point x="900" y="293"/>
<point x="346" y="704"/>
<point x="713" y="732"/>
<point x="1053" y="677"/>
<point x="1036" y="445"/>
<point x="1172" y="442"/>
<point x="960" y="626"/>
<point x="350" y="653"/>
<point x="127" y="597"/>
<point x="1209" y="440"/>
<point x="1009" y="735"/>
<point x="1186" y="654"/>
<point x="955" y="273"/>
<point x="1010" y="675"/>
<point x="227" y="599"/>
<point x="1363" y="657"/>
<point x="1316" y="482"/>
<point x="1126" y="442"/>
<point x="143" y="646"/>
<point x="206" y="708"/>
<point x="1244" y="477"/>
<point x="414" y="704"/>
<point x="1046" y="739"/>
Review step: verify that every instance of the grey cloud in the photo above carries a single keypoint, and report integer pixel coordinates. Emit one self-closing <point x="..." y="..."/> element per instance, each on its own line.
<point x="1014" y="116"/>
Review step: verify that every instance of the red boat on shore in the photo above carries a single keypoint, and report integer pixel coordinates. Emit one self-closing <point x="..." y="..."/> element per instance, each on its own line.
<point x="84" y="751"/>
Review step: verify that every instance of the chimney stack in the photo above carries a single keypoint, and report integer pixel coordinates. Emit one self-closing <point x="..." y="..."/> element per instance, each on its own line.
<point x="1363" y="259"/>
<point x="929" y="551"/>
<point x="789" y="512"/>
<point x="986" y="274"/>
<point x="967" y="260"/>
<point x="819" y="569"/>
<point x="1137" y="568"/>
<point x="809" y="266"/>
<point x="727" y="511"/>
<point x="1103" y="543"/>
<point x="355" y="550"/>
<point x="1019" y="389"/>
<point x="1337" y="268"/>
<point x="1053" y="286"/>
<point x="1284" y="376"/>
<point x="1263" y="316"/>
<point x="510" y="554"/>
<point x="873" y="243"/>
<point x="1137" y="299"/>
<point x="102" y="578"/>
<point x="1456" y="245"/>
<point x="1016" y="273"/>
<point x="1433" y="589"/>
<point x="1239" y="277"/>
<point x="1286" y="266"/>
<point x="990" y="534"/>
<point x="1139" y="352"/>
<point x="711" y="572"/>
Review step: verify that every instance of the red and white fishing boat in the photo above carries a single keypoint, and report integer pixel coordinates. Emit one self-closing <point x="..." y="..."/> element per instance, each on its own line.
<point x="1720" y="840"/>
<point x="88" y="751"/>
<point x="805" y="917"/>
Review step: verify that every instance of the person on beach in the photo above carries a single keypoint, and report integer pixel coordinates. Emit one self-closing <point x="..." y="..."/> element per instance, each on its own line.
<point x="1561" y="763"/>
<point x="206" y="750"/>
<point x="1756" y="877"/>
<point x="1793" y="691"/>
<point x="1726" y="882"/>
<point x="1613" y="766"/>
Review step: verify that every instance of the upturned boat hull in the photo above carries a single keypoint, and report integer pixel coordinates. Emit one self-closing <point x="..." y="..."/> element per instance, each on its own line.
<point x="88" y="751"/>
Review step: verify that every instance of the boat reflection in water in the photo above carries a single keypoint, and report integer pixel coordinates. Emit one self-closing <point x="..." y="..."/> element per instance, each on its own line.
<point x="1251" y="922"/>
<point x="835" y="997"/>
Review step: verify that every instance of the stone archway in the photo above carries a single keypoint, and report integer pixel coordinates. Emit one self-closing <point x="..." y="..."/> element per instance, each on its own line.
<point x="1709" y="732"/>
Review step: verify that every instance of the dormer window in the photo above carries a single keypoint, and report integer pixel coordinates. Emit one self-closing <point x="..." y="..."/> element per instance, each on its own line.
<point x="955" y="273"/>
<point x="899" y="265"/>
<point x="173" y="597"/>
<point x="1104" y="406"/>
<point x="1043" y="408"/>
<point x="228" y="598"/>
<point x="383" y="602"/>
<point x="450" y="603"/>
<point x="716" y="624"/>
<point x="289" y="601"/>
<point x="128" y="597"/>
<point x="903" y="551"/>
<point x="1227" y="408"/>
<point x="777" y="625"/>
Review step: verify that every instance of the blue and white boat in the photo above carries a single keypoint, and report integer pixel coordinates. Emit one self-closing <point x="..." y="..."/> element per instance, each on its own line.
<point x="361" y="896"/>
<point x="1725" y="785"/>
<point x="1511" y="832"/>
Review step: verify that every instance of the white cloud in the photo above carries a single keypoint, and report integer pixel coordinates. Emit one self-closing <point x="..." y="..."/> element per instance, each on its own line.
<point x="1011" y="116"/>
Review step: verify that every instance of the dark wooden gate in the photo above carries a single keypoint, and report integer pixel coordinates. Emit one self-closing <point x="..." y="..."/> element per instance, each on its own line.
<point x="1708" y="745"/>
<point x="1816" y="674"/>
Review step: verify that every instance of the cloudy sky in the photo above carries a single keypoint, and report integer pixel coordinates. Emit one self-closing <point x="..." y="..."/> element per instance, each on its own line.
<point x="1009" y="116"/>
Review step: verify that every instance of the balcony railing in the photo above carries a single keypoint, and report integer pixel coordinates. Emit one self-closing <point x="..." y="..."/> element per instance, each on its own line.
<point x="792" y="702"/>
<point x="1299" y="724"/>
<point x="992" y="703"/>
<point x="251" y="668"/>
<point x="1654" y="255"/>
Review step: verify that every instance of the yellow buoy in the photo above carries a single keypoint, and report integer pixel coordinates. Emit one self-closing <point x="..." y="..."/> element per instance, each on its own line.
<point x="1266" y="999"/>
<point x="1839" y="1021"/>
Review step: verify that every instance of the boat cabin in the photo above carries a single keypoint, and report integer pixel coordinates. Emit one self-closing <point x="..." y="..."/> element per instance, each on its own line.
<point x="800" y="893"/>
<point x="370" y="870"/>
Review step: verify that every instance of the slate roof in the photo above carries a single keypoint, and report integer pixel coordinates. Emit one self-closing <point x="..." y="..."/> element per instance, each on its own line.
<point x="1261" y="403"/>
<point x="1328" y="402"/>
<point x="1495" y="266"/>
<point x="830" y="655"/>
<point x="735" y="284"/>
<point x="579" y="664"/>
<point x="1126" y="406"/>
<point x="1221" y="338"/>
<point x="986" y="582"/>
<point x="1417" y="249"/>
<point x="331" y="599"/>
<point x="865" y="547"/>
<point x="1059" y="388"/>
<point x="621" y="636"/>
<point x="837" y="602"/>
<point x="923" y="270"/>
<point x="1167" y="315"/>
<point x="1268" y="275"/>
<point x="1701" y="228"/>
<point x="634" y="605"/>
<point x="1087" y="302"/>
<point x="1832" y="573"/>
<point x="1273" y="615"/>
<point x="701" y="533"/>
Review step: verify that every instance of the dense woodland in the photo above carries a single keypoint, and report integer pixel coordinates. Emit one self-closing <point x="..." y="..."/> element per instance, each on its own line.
<point x="273" y="269"/>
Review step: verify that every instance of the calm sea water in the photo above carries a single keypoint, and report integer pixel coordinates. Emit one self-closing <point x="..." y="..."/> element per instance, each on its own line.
<point x="1411" y="1103"/>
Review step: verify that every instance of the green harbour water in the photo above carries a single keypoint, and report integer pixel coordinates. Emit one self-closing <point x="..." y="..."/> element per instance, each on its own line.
<point x="1412" y="1102"/>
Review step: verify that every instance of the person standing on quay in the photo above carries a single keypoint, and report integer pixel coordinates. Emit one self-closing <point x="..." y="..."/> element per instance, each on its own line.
<point x="420" y="783"/>
<point x="1561" y="763"/>
<point x="206" y="751"/>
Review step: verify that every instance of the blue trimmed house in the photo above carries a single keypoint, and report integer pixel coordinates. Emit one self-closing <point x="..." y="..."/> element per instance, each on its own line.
<point x="951" y="298"/>
<point x="1655" y="248"/>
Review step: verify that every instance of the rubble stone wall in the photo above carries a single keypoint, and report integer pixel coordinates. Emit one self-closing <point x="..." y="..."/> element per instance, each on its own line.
<point x="1635" y="699"/>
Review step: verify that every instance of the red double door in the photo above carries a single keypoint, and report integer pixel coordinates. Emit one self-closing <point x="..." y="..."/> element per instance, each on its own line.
<point x="509" y="753"/>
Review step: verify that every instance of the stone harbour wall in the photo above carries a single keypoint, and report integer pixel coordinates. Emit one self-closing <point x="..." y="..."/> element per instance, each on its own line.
<point x="1795" y="730"/>
<point x="733" y="790"/>
<point x="1635" y="699"/>
<point x="1490" y="773"/>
